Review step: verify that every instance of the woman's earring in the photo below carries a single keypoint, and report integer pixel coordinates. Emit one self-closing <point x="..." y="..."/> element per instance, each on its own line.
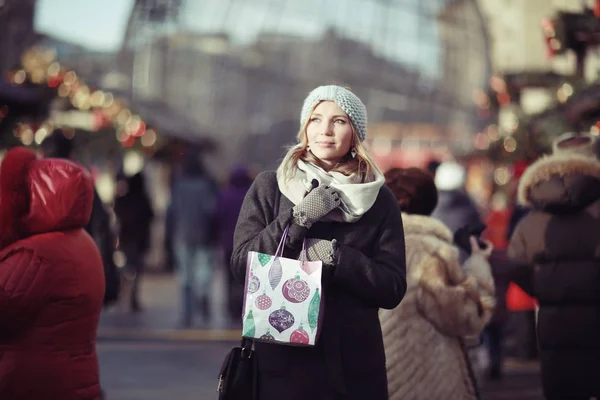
<point x="353" y="153"/>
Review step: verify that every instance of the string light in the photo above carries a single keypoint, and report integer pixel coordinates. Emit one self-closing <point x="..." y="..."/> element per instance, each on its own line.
<point x="20" y="77"/>
<point x="40" y="66"/>
<point x="501" y="176"/>
<point x="510" y="144"/>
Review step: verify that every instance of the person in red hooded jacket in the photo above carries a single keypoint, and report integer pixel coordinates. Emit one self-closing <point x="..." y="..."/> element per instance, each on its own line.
<point x="51" y="280"/>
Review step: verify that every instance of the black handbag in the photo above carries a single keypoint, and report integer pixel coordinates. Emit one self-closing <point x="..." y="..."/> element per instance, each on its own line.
<point x="238" y="378"/>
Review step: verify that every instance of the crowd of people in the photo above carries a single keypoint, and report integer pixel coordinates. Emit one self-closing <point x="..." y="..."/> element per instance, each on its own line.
<point x="409" y="282"/>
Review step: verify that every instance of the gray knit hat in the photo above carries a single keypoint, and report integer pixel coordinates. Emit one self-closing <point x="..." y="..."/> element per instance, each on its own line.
<point x="345" y="99"/>
<point x="584" y="144"/>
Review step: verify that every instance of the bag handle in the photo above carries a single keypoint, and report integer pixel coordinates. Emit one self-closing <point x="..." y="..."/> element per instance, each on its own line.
<point x="303" y="254"/>
<point x="279" y="252"/>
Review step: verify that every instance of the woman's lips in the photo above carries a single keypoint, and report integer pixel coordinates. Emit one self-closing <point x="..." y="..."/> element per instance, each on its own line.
<point x="326" y="144"/>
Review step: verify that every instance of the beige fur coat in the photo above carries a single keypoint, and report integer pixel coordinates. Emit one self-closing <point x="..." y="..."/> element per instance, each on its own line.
<point x="444" y="302"/>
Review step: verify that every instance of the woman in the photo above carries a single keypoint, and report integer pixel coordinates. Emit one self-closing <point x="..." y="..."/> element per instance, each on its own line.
<point x="351" y="223"/>
<point x="444" y="303"/>
<point x="51" y="280"/>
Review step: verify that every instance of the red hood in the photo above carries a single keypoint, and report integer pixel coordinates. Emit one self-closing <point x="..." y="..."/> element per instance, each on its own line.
<point x="38" y="196"/>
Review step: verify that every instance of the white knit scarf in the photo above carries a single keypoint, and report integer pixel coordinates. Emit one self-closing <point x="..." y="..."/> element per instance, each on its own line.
<point x="357" y="198"/>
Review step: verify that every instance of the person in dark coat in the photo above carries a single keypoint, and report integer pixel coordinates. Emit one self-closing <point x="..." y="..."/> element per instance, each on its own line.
<point x="331" y="193"/>
<point x="51" y="280"/>
<point x="228" y="210"/>
<point x="135" y="214"/>
<point x="557" y="245"/>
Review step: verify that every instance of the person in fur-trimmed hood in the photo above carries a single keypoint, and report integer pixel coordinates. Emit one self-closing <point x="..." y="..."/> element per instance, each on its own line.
<point x="51" y="280"/>
<point x="558" y="247"/>
<point x="444" y="303"/>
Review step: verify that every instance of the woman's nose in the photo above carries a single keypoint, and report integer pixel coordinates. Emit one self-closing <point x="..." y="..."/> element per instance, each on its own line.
<point x="327" y="130"/>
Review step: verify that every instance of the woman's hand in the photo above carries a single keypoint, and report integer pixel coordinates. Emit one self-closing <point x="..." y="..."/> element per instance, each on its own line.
<point x="478" y="266"/>
<point x="476" y="250"/>
<point x="318" y="203"/>
<point x="322" y="250"/>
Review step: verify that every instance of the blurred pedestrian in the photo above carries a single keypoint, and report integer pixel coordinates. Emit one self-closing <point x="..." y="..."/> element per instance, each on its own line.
<point x="135" y="214"/>
<point x="228" y="210"/>
<point x="455" y="207"/>
<point x="100" y="227"/>
<point x="444" y="304"/>
<point x="51" y="280"/>
<point x="329" y="191"/>
<point x="194" y="199"/>
<point x="557" y="244"/>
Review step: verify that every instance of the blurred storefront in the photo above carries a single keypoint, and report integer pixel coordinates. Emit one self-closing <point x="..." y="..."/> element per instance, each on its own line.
<point x="240" y="69"/>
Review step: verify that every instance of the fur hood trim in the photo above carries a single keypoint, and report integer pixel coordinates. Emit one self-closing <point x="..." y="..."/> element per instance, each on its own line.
<point x="424" y="225"/>
<point x="556" y="164"/>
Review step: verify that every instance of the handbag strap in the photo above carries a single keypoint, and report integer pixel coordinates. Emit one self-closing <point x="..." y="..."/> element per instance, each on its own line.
<point x="247" y="346"/>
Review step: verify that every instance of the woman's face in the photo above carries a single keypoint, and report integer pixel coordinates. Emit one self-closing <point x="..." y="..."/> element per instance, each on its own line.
<point x="329" y="133"/>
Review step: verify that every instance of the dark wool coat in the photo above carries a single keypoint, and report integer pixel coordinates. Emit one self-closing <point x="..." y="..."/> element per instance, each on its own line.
<point x="51" y="282"/>
<point x="560" y="241"/>
<point x="348" y="361"/>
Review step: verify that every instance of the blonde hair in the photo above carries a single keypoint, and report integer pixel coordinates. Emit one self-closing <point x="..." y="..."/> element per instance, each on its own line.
<point x="362" y="165"/>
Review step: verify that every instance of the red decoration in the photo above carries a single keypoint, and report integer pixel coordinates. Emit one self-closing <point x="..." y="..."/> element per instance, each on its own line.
<point x="139" y="129"/>
<point x="295" y="290"/>
<point x="263" y="302"/>
<point x="299" y="336"/>
<point x="54" y="81"/>
<point x="128" y="142"/>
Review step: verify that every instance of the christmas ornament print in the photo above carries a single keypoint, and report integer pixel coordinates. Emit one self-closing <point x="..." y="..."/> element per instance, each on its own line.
<point x="275" y="273"/>
<point x="267" y="336"/>
<point x="299" y="336"/>
<point x="295" y="290"/>
<point x="263" y="259"/>
<point x="313" y="311"/>
<point x="249" y="326"/>
<point x="281" y="319"/>
<point x="263" y="302"/>
<point x="253" y="283"/>
<point x="310" y="267"/>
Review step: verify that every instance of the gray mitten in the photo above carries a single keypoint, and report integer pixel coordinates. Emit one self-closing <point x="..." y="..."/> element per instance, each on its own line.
<point x="317" y="204"/>
<point x="323" y="250"/>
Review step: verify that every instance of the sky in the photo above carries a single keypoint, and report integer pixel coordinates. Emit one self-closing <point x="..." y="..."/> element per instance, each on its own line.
<point x="396" y="32"/>
<point x="97" y="25"/>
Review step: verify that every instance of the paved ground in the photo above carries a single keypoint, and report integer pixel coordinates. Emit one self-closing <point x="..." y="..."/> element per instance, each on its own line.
<point x="147" y="356"/>
<point x="160" y="370"/>
<point x="521" y="382"/>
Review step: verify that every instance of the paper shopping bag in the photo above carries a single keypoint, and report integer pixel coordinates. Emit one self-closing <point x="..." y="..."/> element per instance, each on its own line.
<point x="283" y="300"/>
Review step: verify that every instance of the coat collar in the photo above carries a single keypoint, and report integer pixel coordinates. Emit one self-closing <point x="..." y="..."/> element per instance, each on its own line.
<point x="426" y="226"/>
